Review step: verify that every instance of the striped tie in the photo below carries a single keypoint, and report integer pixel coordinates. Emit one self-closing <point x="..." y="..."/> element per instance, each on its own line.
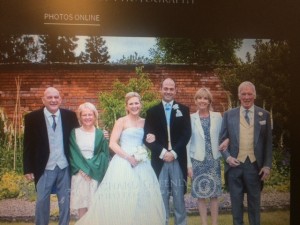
<point x="247" y="116"/>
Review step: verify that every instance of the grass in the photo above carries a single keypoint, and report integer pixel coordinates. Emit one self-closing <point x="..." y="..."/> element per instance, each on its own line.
<point x="278" y="217"/>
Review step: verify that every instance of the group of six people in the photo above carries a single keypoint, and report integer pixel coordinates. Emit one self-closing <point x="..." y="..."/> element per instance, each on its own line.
<point x="68" y="155"/>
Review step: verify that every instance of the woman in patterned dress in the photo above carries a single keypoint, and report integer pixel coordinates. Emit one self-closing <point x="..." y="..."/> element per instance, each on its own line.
<point x="204" y="157"/>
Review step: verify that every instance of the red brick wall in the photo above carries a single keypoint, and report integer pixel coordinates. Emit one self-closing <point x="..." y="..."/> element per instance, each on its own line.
<point x="80" y="83"/>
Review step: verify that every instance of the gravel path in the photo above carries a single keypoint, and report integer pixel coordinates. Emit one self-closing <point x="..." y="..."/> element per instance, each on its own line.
<point x="22" y="210"/>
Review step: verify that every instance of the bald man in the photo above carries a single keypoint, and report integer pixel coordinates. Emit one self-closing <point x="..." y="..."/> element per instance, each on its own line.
<point x="45" y="156"/>
<point x="170" y="122"/>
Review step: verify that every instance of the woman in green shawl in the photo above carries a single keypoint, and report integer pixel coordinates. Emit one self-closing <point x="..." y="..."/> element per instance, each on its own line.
<point x="89" y="158"/>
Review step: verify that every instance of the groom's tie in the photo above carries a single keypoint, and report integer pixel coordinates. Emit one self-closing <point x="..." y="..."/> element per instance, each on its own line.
<point x="168" y="112"/>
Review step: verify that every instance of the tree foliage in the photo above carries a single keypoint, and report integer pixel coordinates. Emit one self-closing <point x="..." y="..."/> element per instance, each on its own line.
<point x="113" y="104"/>
<point x="95" y="51"/>
<point x="195" y="51"/>
<point x="134" y="59"/>
<point x="269" y="70"/>
<point x="58" y="48"/>
<point x="18" y="49"/>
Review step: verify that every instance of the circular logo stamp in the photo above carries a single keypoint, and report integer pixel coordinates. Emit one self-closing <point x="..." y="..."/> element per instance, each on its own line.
<point x="204" y="186"/>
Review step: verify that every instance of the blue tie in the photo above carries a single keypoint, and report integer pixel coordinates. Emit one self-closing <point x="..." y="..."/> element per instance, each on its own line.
<point x="247" y="116"/>
<point x="168" y="112"/>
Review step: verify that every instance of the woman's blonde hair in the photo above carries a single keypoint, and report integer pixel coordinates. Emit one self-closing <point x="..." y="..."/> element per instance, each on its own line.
<point x="130" y="95"/>
<point x="204" y="92"/>
<point x="90" y="106"/>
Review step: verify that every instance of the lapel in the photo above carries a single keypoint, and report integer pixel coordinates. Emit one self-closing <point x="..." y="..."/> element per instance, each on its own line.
<point x="64" y="123"/>
<point x="173" y="113"/>
<point x="236" y="124"/>
<point x="162" y="116"/>
<point x="257" y="126"/>
<point x="197" y="122"/>
<point x="212" y="122"/>
<point x="172" y="117"/>
<point x="41" y="120"/>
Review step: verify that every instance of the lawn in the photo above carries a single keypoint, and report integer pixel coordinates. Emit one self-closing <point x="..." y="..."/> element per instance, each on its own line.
<point x="278" y="217"/>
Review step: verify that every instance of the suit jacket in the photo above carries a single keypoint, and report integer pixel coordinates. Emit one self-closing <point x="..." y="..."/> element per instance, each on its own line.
<point x="262" y="136"/>
<point x="196" y="145"/>
<point x="36" y="142"/>
<point x="180" y="132"/>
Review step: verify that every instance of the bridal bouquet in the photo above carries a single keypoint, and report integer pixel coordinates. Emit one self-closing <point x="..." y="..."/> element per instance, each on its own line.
<point x="140" y="154"/>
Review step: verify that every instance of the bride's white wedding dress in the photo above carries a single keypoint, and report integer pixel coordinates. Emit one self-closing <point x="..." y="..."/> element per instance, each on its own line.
<point x="126" y="195"/>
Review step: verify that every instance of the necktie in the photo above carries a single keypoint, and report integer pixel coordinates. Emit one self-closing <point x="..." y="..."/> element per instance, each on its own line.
<point x="247" y="116"/>
<point x="168" y="112"/>
<point x="54" y="123"/>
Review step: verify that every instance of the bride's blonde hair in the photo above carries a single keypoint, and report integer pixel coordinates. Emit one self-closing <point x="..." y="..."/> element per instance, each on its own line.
<point x="130" y="95"/>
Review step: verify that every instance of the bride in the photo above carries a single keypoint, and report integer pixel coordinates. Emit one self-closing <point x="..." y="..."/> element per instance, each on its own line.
<point x="129" y="194"/>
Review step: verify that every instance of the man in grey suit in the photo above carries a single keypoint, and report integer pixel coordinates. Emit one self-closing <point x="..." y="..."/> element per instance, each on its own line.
<point x="46" y="155"/>
<point x="249" y="154"/>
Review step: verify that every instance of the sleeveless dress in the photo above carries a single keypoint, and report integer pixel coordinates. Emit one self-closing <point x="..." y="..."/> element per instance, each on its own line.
<point x="126" y="195"/>
<point x="207" y="173"/>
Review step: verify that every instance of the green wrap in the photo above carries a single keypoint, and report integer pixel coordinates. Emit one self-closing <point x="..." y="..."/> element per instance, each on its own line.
<point x="96" y="166"/>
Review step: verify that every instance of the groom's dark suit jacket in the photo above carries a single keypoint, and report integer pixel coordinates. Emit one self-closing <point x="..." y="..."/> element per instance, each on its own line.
<point x="36" y="143"/>
<point x="180" y="126"/>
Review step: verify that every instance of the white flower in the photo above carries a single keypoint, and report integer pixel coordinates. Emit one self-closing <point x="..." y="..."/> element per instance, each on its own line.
<point x="260" y="113"/>
<point x="140" y="154"/>
<point x="175" y="107"/>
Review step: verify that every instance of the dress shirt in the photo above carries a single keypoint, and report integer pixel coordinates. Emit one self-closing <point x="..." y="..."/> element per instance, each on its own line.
<point x="49" y="116"/>
<point x="163" y="152"/>
<point x="250" y="113"/>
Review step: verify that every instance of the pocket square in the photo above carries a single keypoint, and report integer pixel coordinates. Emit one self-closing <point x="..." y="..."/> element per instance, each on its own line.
<point x="263" y="122"/>
<point x="178" y="113"/>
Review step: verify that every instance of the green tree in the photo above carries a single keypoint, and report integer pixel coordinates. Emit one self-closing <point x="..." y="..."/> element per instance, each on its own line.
<point x="18" y="48"/>
<point x="58" y="48"/>
<point x="113" y="104"/>
<point x="95" y="51"/>
<point x="198" y="51"/>
<point x="134" y="59"/>
<point x="269" y="70"/>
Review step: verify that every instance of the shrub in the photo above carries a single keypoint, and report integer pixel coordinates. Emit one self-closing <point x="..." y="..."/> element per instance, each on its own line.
<point x="11" y="146"/>
<point x="280" y="173"/>
<point x="10" y="185"/>
<point x="14" y="185"/>
<point x="113" y="104"/>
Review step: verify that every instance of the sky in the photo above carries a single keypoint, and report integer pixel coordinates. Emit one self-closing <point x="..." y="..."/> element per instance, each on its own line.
<point x="126" y="46"/>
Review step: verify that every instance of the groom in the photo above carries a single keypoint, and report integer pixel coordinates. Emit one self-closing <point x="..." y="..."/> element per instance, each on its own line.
<point x="170" y="122"/>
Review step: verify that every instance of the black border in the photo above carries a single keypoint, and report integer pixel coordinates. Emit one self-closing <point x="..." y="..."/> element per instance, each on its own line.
<point x="274" y="19"/>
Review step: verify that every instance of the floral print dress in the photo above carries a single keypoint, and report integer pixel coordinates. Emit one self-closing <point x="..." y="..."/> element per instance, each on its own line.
<point x="207" y="173"/>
